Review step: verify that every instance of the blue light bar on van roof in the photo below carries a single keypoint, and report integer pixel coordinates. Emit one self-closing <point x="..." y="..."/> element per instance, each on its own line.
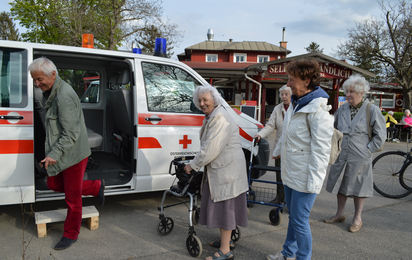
<point x="137" y="50"/>
<point x="160" y="47"/>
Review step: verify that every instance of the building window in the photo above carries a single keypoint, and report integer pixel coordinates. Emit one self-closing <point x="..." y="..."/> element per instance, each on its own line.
<point x="388" y="99"/>
<point x="211" y="57"/>
<point x="263" y="58"/>
<point x="239" y="57"/>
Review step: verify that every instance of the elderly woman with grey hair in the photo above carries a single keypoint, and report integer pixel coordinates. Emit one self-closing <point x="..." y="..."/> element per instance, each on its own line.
<point x="351" y="175"/>
<point x="275" y="123"/>
<point x="224" y="182"/>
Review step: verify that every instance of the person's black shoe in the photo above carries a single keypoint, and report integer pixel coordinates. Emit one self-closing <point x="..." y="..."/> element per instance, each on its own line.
<point x="101" y="193"/>
<point x="64" y="243"/>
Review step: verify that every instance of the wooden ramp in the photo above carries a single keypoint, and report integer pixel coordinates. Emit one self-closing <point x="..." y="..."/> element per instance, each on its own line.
<point x="90" y="213"/>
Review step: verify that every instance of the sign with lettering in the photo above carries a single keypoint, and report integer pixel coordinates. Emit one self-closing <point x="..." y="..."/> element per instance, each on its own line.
<point x="327" y="70"/>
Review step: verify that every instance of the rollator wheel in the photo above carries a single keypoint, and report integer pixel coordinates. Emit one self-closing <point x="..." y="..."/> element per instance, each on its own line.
<point x="235" y="234"/>
<point x="194" y="246"/>
<point x="275" y="217"/>
<point x="165" y="226"/>
<point x="196" y="216"/>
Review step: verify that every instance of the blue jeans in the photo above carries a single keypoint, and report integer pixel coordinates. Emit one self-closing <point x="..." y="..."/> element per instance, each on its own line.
<point x="299" y="238"/>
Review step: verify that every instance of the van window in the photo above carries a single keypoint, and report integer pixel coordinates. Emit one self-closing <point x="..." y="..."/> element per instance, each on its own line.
<point x="13" y="77"/>
<point x="169" y="89"/>
<point x="84" y="82"/>
<point x="92" y="93"/>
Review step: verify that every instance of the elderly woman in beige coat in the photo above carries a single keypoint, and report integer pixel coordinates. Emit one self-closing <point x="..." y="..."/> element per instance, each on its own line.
<point x="224" y="183"/>
<point x="275" y="123"/>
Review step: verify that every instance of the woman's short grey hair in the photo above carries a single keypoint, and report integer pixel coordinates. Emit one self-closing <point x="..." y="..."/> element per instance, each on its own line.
<point x="358" y="83"/>
<point x="390" y="113"/>
<point x="44" y="65"/>
<point x="217" y="98"/>
<point x="407" y="110"/>
<point x="283" y="88"/>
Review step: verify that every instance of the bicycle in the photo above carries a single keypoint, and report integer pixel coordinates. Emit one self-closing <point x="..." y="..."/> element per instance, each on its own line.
<point x="392" y="174"/>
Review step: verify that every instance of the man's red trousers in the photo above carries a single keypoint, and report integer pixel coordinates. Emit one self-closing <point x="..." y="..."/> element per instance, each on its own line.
<point x="70" y="182"/>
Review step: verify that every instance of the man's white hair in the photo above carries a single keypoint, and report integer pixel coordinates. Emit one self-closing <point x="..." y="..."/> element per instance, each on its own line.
<point x="44" y="65"/>
<point x="358" y="83"/>
<point x="217" y="98"/>
<point x="390" y="113"/>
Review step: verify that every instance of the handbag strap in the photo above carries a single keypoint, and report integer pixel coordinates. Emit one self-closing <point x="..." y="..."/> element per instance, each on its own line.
<point x="368" y="120"/>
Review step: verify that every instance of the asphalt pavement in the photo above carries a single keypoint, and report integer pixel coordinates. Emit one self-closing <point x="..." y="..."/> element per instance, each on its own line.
<point x="128" y="230"/>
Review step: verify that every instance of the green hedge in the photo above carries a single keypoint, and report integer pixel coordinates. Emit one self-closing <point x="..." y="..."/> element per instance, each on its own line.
<point x="397" y="115"/>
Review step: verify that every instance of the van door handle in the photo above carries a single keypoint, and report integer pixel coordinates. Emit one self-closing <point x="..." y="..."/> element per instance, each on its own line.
<point x="11" y="117"/>
<point x="158" y="119"/>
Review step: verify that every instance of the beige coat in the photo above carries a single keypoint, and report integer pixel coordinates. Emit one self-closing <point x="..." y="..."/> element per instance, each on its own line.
<point x="222" y="156"/>
<point x="275" y="123"/>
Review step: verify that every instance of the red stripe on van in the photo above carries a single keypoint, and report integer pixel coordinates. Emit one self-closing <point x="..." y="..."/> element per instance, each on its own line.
<point x="16" y="146"/>
<point x="148" y="143"/>
<point x="27" y="120"/>
<point x="245" y="135"/>
<point x="172" y="119"/>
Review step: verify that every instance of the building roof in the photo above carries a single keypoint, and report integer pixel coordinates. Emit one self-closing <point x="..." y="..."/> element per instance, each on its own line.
<point x="244" y="46"/>
<point x="233" y="46"/>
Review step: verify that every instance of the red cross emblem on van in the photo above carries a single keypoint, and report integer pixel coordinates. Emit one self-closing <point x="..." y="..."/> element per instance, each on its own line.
<point x="185" y="141"/>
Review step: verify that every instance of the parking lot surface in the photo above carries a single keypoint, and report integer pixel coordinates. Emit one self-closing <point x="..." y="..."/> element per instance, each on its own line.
<point x="128" y="230"/>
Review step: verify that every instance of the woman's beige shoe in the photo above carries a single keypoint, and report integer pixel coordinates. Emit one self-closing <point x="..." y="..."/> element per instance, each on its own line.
<point x="355" y="228"/>
<point x="335" y="219"/>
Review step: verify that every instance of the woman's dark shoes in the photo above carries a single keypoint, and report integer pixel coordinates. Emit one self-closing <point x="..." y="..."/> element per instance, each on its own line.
<point x="64" y="243"/>
<point x="216" y="244"/>
<point x="277" y="201"/>
<point x="101" y="193"/>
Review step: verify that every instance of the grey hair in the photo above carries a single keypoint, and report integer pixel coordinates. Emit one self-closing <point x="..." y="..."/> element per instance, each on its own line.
<point x="217" y="98"/>
<point x="44" y="65"/>
<point x="358" y="83"/>
<point x="285" y="87"/>
<point x="390" y="113"/>
<point x="407" y="110"/>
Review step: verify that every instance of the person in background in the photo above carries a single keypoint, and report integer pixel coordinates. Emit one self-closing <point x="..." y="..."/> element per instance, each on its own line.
<point x="304" y="150"/>
<point x="224" y="182"/>
<point x="390" y="126"/>
<point x="351" y="175"/>
<point x="275" y="123"/>
<point x="407" y="123"/>
<point x="67" y="146"/>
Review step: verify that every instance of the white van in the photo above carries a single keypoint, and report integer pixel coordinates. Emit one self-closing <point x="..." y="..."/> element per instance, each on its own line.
<point x="138" y="110"/>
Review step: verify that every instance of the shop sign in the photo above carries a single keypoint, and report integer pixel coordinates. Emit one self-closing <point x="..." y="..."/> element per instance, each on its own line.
<point x="327" y="70"/>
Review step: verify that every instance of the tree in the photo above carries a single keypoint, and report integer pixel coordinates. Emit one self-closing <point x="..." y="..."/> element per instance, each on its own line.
<point x="314" y="47"/>
<point x="8" y="29"/>
<point x="110" y="21"/>
<point x="146" y="38"/>
<point x="384" y="44"/>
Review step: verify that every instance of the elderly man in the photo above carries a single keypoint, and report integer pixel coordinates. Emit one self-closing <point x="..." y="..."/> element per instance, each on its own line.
<point x="390" y="126"/>
<point x="67" y="147"/>
<point x="275" y="123"/>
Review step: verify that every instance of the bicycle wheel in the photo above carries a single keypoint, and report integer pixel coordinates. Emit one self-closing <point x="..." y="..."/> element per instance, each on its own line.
<point x="386" y="175"/>
<point x="406" y="178"/>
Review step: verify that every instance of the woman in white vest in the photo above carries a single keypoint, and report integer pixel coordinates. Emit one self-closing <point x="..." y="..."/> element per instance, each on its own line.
<point x="351" y="175"/>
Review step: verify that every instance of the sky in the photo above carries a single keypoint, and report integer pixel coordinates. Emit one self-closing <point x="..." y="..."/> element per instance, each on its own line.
<point x="325" y="22"/>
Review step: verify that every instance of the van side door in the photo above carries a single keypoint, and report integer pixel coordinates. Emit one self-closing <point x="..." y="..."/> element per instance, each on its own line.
<point x="168" y="121"/>
<point x="16" y="128"/>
